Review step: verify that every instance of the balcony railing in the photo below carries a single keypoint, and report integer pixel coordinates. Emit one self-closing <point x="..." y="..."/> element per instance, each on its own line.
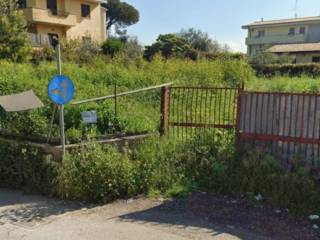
<point x="276" y="39"/>
<point x="39" y="40"/>
<point x="51" y="16"/>
<point x="58" y="13"/>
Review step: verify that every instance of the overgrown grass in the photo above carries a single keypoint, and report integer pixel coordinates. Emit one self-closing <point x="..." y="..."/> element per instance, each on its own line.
<point x="286" y="84"/>
<point x="136" y="113"/>
<point x="156" y="166"/>
<point x="208" y="162"/>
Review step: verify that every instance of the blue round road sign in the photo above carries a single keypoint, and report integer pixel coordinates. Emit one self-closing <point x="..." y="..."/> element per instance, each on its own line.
<point x="61" y="90"/>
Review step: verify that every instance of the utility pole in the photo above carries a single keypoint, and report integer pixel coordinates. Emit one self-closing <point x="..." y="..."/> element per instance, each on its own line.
<point x="296" y="9"/>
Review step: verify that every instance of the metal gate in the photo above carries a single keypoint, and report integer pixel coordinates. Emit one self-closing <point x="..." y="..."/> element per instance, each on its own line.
<point x="285" y="124"/>
<point x="190" y="109"/>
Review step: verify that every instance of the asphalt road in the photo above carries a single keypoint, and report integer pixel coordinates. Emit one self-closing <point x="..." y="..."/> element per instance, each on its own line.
<point x="35" y="217"/>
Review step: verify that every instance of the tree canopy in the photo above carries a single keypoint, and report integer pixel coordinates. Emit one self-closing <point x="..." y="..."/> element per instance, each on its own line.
<point x="120" y="14"/>
<point x="170" y="45"/>
<point x="14" y="41"/>
<point x="199" y="40"/>
<point x="202" y="42"/>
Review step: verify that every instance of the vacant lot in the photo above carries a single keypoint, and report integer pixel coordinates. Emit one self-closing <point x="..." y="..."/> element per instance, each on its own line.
<point x="199" y="217"/>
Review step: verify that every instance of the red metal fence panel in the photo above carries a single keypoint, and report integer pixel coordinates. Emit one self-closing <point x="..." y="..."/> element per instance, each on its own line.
<point x="288" y="123"/>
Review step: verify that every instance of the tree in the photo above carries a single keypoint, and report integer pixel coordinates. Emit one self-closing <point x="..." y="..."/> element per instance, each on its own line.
<point x="265" y="57"/>
<point x="112" y="46"/>
<point x="199" y="40"/>
<point x="14" y="40"/>
<point x="271" y="58"/>
<point x="132" y="48"/>
<point x="170" y="45"/>
<point x="120" y="15"/>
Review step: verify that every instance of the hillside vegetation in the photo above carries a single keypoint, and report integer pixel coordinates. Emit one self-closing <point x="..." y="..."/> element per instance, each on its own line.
<point x="209" y="162"/>
<point x="136" y="113"/>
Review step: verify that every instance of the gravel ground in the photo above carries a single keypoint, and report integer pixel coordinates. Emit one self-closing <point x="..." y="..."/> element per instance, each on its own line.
<point x="200" y="217"/>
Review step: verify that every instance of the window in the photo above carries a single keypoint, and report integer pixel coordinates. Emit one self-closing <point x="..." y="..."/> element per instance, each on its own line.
<point x="302" y="30"/>
<point x="22" y="3"/>
<point x="85" y="10"/>
<point x="52" y="6"/>
<point x="261" y="33"/>
<point x="292" y="31"/>
<point x="316" y="59"/>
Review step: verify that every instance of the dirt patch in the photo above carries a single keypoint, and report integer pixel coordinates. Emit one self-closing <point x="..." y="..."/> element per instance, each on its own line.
<point x="235" y="212"/>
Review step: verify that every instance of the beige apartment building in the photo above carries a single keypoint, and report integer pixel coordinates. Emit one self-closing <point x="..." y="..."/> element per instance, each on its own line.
<point x="299" y="37"/>
<point x="71" y="19"/>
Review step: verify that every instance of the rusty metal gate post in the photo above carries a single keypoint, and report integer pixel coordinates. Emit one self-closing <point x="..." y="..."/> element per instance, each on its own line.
<point x="165" y="98"/>
<point x="237" y="140"/>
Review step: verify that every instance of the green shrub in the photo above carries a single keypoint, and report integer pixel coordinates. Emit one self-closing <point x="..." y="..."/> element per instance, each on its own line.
<point x="14" y="40"/>
<point x="158" y="165"/>
<point x="136" y="113"/>
<point x="46" y="53"/>
<point x="80" y="51"/>
<point x="133" y="49"/>
<point x="292" y="70"/>
<point x="207" y="158"/>
<point x="27" y="168"/>
<point x="261" y="173"/>
<point x="170" y="45"/>
<point x="96" y="174"/>
<point x="223" y="56"/>
<point x="302" y="83"/>
<point x="26" y="123"/>
<point x="112" y="46"/>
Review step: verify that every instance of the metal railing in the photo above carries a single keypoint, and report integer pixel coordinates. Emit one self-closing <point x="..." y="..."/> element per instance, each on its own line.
<point x="58" y="13"/>
<point x="38" y="40"/>
<point x="52" y="11"/>
<point x="276" y="38"/>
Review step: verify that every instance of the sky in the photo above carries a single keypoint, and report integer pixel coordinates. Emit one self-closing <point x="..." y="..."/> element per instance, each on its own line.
<point x="221" y="19"/>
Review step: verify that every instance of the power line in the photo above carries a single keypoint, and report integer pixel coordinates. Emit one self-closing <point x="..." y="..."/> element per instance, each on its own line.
<point x="296" y="9"/>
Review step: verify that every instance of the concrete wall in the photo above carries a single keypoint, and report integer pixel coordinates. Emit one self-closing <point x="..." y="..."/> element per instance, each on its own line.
<point x="92" y="25"/>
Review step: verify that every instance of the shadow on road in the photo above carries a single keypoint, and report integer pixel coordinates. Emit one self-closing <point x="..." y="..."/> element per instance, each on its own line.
<point x="171" y="214"/>
<point x="222" y="214"/>
<point x="17" y="207"/>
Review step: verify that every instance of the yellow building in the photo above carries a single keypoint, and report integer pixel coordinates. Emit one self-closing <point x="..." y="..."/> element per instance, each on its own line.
<point x="299" y="37"/>
<point x="71" y="19"/>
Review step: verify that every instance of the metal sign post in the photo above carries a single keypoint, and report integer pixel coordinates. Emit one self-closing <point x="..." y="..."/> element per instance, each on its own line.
<point x="61" y="106"/>
<point x="60" y="91"/>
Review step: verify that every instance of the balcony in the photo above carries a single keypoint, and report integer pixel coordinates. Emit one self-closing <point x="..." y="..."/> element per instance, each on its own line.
<point x="39" y="40"/>
<point x="277" y="39"/>
<point x="50" y="16"/>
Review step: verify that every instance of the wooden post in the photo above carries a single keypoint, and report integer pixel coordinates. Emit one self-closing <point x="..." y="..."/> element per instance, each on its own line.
<point x="164" y="110"/>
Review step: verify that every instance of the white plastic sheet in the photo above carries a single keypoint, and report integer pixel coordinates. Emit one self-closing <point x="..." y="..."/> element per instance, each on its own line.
<point x="20" y="102"/>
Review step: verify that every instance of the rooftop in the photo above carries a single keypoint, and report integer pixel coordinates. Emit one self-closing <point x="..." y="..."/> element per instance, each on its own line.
<point x="282" y="21"/>
<point x="301" y="47"/>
